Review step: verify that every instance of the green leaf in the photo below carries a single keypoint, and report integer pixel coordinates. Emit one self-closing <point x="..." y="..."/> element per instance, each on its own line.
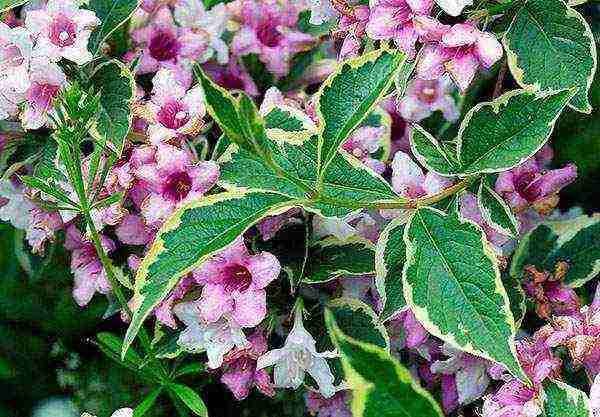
<point x="501" y="134"/>
<point x="258" y="72"/>
<point x="335" y="259"/>
<point x="431" y="153"/>
<point x="562" y="400"/>
<point x="116" y="85"/>
<point x="51" y="190"/>
<point x="516" y="297"/>
<point x="147" y="403"/>
<point x="190" y="368"/>
<point x="381" y="386"/>
<point x="190" y="398"/>
<point x="496" y="212"/>
<point x="349" y="95"/>
<point x="551" y="47"/>
<point x="220" y="147"/>
<point x="191" y="235"/>
<point x="358" y="321"/>
<point x="316" y="30"/>
<point x="11" y="4"/>
<point x="223" y="108"/>
<point x="574" y="241"/>
<point x="390" y="256"/>
<point x="112" y="14"/>
<point x="452" y="284"/>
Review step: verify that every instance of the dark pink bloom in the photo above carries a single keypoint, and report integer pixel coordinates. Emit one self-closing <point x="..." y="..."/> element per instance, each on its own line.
<point x="336" y="406"/>
<point x="240" y="373"/>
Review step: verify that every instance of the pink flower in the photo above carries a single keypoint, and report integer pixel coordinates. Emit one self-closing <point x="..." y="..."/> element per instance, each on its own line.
<point x="133" y="231"/>
<point x="14" y="204"/>
<point x="269" y="226"/>
<point x="367" y="140"/>
<point x="172" y="179"/>
<point x="513" y="399"/>
<point x="406" y="332"/>
<point x="172" y="111"/>
<point x="164" y="311"/>
<point x="16" y="47"/>
<point x="458" y="50"/>
<point x="336" y="406"/>
<point x="423" y="97"/>
<point x="580" y="334"/>
<point x="232" y="77"/>
<point x="47" y="79"/>
<point x="241" y="373"/>
<point x="89" y="273"/>
<point x="530" y="185"/>
<point x="62" y="30"/>
<point x="162" y="44"/>
<point x="234" y="283"/>
<point x="41" y="227"/>
<point x="409" y="180"/>
<point x="354" y="25"/>
<point x="268" y="29"/>
<point x="393" y="19"/>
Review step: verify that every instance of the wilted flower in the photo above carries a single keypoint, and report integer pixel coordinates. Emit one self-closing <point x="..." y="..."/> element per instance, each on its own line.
<point x="215" y="338"/>
<point x="62" y="30"/>
<point x="549" y="292"/>
<point x="298" y="356"/>
<point x="234" y="284"/>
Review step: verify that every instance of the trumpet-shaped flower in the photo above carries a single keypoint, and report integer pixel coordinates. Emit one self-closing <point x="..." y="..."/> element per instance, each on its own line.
<point x="297" y="357"/>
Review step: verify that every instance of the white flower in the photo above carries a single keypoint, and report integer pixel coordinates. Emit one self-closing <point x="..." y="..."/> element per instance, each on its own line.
<point x="212" y="23"/>
<point x="216" y="338"/>
<point x="14" y="205"/>
<point x="453" y="7"/>
<point x="121" y="412"/>
<point x="298" y="356"/>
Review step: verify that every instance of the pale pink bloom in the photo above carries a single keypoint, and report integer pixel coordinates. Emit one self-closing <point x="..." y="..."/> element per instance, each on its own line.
<point x="41" y="227"/>
<point x="211" y="24"/>
<point x="46" y="81"/>
<point x="297" y="357"/>
<point x="353" y="27"/>
<point x="409" y="180"/>
<point x="164" y="311"/>
<point x="133" y="231"/>
<point x="513" y="399"/>
<point x="336" y="406"/>
<point x="529" y="185"/>
<point x="173" y="110"/>
<point x="14" y="204"/>
<point x="459" y="50"/>
<point x="240" y="373"/>
<point x="268" y="29"/>
<point x="62" y="30"/>
<point x="423" y="97"/>
<point x="90" y="276"/>
<point x="16" y="47"/>
<point x="393" y="19"/>
<point x="215" y="338"/>
<point x="171" y="180"/>
<point x="363" y="142"/>
<point x="234" y="283"/>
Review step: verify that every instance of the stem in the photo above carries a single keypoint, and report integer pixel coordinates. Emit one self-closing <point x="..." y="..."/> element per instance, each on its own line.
<point x="500" y="80"/>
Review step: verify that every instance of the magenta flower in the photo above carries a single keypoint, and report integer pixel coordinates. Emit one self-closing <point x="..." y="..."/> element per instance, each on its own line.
<point x="62" y="30"/>
<point x="406" y="332"/>
<point x="234" y="283"/>
<point x="173" y="110"/>
<point x="241" y="373"/>
<point x="90" y="276"/>
<point x="268" y="29"/>
<point x="353" y="24"/>
<point x="513" y="399"/>
<point x="232" y="77"/>
<point x="458" y="50"/>
<point x="423" y="97"/>
<point x="172" y="179"/>
<point x="393" y="19"/>
<point x="529" y="185"/>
